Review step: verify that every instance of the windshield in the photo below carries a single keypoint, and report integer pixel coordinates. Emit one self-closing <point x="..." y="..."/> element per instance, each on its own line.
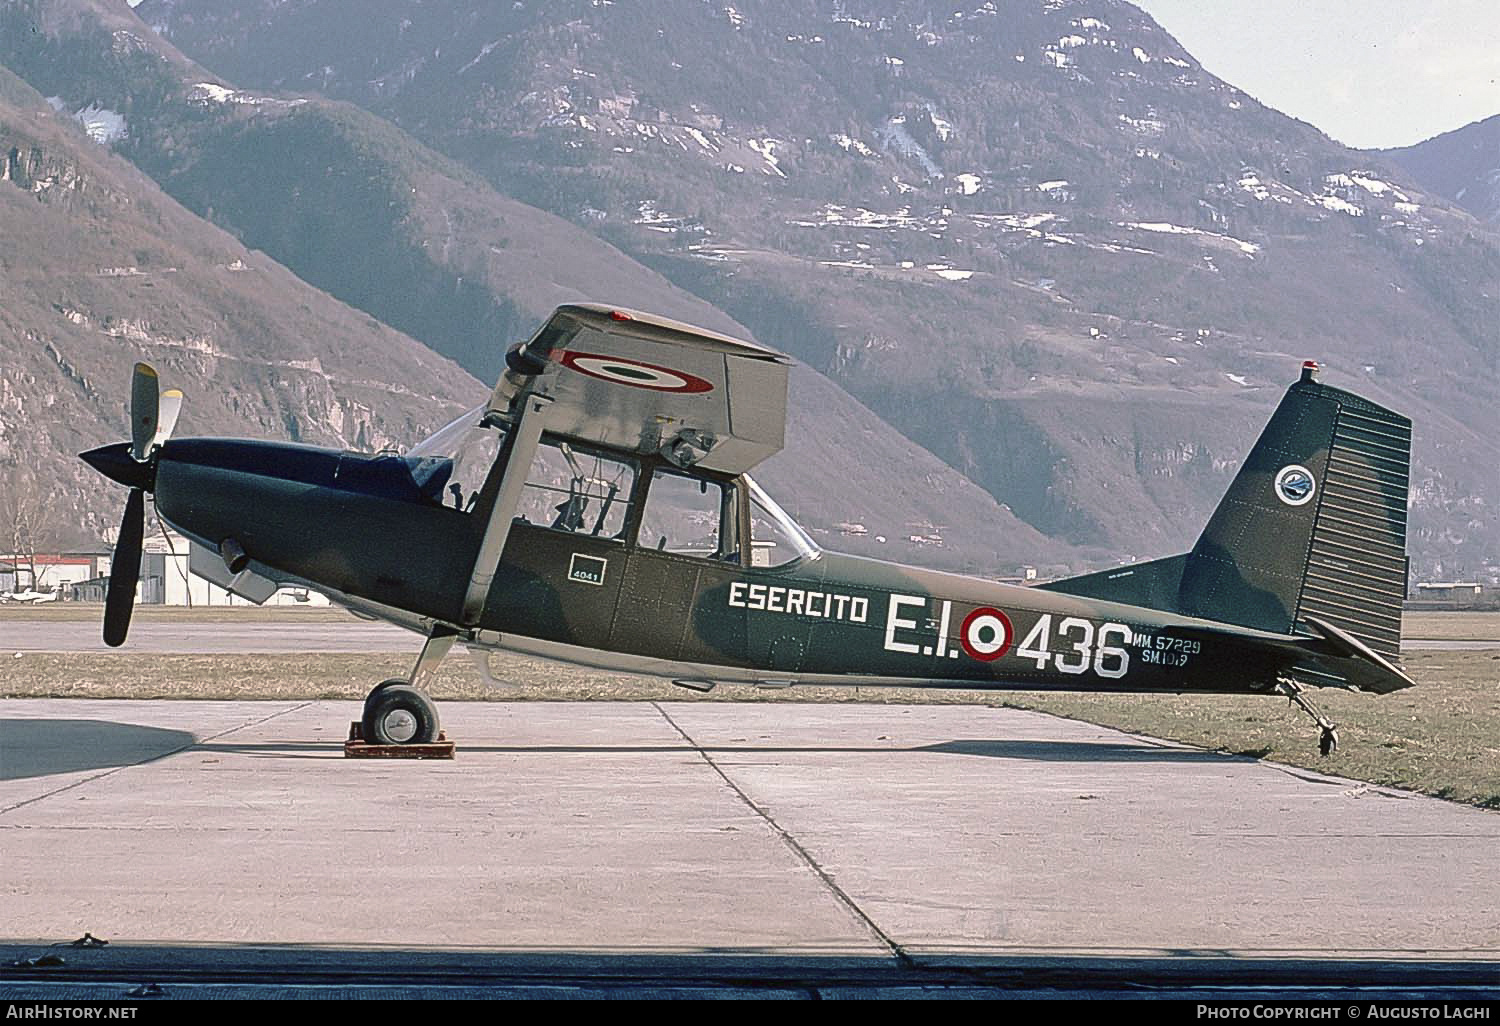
<point x="445" y="440"/>
<point x="470" y="447"/>
<point x="775" y="537"/>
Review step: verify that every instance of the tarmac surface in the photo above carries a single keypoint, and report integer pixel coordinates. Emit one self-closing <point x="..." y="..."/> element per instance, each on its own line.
<point x="773" y="850"/>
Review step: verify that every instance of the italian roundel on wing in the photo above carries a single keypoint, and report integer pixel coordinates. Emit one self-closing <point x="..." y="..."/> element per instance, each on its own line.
<point x="635" y="373"/>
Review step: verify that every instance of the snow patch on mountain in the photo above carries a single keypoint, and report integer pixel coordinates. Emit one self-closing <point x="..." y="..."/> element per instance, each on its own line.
<point x="834" y="215"/>
<point x="948" y="273"/>
<point x="213" y="91"/>
<point x="1143" y="125"/>
<point x="1166" y="228"/>
<point x="942" y="126"/>
<point x="851" y="145"/>
<point x="103" y="126"/>
<point x="1340" y="205"/>
<point x="767" y="150"/>
<point x="209" y="93"/>
<point x="653" y="218"/>
<point x="895" y="136"/>
<point x="1252" y="185"/>
<point x="1017" y="221"/>
<point x="1376" y="187"/>
<point x="484" y="51"/>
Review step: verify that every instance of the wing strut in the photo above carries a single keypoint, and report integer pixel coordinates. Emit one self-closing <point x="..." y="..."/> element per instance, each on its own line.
<point x="525" y="433"/>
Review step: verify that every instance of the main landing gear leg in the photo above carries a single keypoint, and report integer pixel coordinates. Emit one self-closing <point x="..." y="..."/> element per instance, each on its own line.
<point x="1328" y="740"/>
<point x="399" y="712"/>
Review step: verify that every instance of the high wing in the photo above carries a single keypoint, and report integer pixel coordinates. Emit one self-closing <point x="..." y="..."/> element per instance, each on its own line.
<point x="637" y="382"/>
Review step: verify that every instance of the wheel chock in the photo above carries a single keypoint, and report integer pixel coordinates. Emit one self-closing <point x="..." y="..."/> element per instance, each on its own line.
<point x="358" y="748"/>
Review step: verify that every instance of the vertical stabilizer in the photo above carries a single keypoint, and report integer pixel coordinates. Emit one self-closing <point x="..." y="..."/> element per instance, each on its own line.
<point x="1314" y="524"/>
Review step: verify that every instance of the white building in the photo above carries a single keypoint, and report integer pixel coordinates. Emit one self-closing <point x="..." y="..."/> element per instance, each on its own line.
<point x="166" y="580"/>
<point x="50" y="571"/>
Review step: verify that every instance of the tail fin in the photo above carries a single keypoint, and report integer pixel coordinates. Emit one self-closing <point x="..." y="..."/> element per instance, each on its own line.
<point x="1314" y="525"/>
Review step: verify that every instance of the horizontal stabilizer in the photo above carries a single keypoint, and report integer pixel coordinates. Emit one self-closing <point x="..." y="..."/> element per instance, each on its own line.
<point x="1380" y="675"/>
<point x="1328" y="657"/>
<point x="1153" y="585"/>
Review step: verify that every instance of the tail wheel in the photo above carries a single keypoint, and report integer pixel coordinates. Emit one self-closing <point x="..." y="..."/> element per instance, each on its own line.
<point x="398" y="714"/>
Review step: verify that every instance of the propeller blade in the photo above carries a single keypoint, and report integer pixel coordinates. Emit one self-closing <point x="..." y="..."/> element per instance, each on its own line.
<point x="125" y="571"/>
<point x="171" y="407"/>
<point x="144" y="408"/>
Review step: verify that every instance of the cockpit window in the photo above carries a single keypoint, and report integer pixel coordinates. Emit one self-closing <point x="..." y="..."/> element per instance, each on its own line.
<point x="775" y="537"/>
<point x="469" y="446"/>
<point x="573" y="490"/>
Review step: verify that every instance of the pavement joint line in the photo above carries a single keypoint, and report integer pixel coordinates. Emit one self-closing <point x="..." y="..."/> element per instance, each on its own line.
<point x="155" y="758"/>
<point x="897" y="952"/>
<point x="1347" y="783"/>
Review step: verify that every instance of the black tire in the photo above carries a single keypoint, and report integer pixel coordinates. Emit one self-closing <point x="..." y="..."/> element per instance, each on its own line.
<point x="398" y="714"/>
<point x="378" y="688"/>
<point x="364" y="716"/>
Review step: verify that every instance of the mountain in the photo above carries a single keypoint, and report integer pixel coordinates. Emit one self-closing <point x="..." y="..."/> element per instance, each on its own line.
<point x="99" y="268"/>
<point x="1037" y="237"/>
<point x="1462" y="166"/>
<point x="355" y="207"/>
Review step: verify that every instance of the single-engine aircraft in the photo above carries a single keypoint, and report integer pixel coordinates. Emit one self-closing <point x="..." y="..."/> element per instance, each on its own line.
<point x="599" y="509"/>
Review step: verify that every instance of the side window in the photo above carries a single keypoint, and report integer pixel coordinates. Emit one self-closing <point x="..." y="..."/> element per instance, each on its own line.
<point x="690" y="516"/>
<point x="575" y="491"/>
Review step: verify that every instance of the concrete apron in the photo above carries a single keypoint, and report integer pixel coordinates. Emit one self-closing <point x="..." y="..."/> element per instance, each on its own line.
<point x="877" y="834"/>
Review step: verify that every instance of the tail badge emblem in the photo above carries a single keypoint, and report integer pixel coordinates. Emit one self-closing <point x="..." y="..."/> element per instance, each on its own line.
<point x="1295" y="485"/>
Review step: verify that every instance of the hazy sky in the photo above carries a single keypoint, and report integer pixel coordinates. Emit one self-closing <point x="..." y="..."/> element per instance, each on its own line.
<point x="1368" y="72"/>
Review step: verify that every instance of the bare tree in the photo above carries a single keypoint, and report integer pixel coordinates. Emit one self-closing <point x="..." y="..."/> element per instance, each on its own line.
<point x="23" y="519"/>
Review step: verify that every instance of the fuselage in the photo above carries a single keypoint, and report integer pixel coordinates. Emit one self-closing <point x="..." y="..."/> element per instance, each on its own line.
<point x="375" y="534"/>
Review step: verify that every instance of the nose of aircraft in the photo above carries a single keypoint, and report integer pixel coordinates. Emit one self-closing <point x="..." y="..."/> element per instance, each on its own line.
<point x="118" y="464"/>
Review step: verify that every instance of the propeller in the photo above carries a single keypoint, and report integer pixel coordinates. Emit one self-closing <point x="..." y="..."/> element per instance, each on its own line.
<point x="153" y="415"/>
<point x="166" y="420"/>
<point x="125" y="570"/>
<point x="145" y="405"/>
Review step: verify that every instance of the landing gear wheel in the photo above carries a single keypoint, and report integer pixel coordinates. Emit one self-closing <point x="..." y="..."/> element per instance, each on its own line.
<point x="378" y="688"/>
<point x="398" y="714"/>
<point x="1328" y="743"/>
